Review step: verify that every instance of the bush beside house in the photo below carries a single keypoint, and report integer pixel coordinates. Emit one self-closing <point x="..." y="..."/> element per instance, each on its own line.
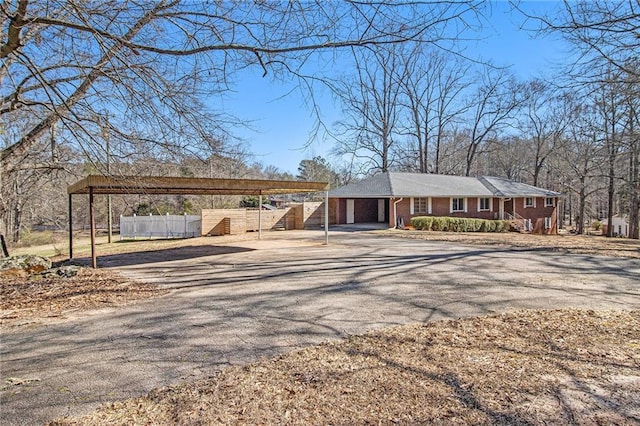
<point x="458" y="224"/>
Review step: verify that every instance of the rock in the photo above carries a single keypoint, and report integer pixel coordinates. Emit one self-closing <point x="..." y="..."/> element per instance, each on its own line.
<point x="68" y="271"/>
<point x="13" y="273"/>
<point x="30" y="264"/>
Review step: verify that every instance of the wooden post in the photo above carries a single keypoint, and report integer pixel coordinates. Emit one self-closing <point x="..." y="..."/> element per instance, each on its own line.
<point x="92" y="220"/>
<point x="109" y="219"/>
<point x="260" y="215"/>
<point x="70" y="227"/>
<point x="326" y="217"/>
<point x="3" y="243"/>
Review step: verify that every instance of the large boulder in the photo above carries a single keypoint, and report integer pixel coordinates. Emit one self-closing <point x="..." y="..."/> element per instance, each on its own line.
<point x="17" y="266"/>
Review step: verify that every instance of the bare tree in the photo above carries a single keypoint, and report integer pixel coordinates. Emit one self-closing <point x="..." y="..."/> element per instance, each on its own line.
<point x="611" y="122"/>
<point x="68" y="60"/>
<point x="631" y="142"/>
<point x="599" y="30"/>
<point x="605" y="35"/>
<point x="434" y="83"/>
<point x="151" y="65"/>
<point x="506" y="157"/>
<point x="578" y="160"/>
<point x="543" y="121"/>
<point x="494" y="102"/>
<point x="371" y="101"/>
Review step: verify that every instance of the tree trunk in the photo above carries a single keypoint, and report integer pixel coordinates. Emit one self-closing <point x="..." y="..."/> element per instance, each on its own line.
<point x="437" y="159"/>
<point x="611" y="195"/>
<point x="581" y="204"/>
<point x="634" y="189"/>
<point x="424" y="156"/>
<point x="17" y="223"/>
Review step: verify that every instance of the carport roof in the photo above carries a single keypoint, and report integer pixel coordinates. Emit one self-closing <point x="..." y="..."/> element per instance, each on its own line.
<point x="187" y="185"/>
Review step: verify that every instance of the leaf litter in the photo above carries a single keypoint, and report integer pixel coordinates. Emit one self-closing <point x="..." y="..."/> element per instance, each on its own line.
<point x="36" y="298"/>
<point x="528" y="367"/>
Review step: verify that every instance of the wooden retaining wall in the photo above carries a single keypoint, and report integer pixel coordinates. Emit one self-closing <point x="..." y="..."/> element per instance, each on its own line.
<point x="309" y="214"/>
<point x="238" y="221"/>
<point x="224" y="221"/>
<point x="271" y="219"/>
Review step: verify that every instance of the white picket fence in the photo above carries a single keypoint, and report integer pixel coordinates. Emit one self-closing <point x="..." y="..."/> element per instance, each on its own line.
<point x="167" y="226"/>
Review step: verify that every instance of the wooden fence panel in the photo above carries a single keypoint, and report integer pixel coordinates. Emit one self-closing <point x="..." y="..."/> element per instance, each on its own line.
<point x="237" y="221"/>
<point x="312" y="214"/>
<point x="271" y="219"/>
<point x="224" y="221"/>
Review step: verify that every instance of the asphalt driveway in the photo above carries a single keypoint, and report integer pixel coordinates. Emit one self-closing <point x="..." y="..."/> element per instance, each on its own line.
<point x="253" y="299"/>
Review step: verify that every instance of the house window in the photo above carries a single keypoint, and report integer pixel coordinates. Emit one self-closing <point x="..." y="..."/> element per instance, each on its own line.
<point x="484" y="204"/>
<point x="421" y="205"/>
<point x="529" y="202"/>
<point x="549" y="202"/>
<point x="457" y="205"/>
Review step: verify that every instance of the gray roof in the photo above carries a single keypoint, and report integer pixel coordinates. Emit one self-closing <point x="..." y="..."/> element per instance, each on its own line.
<point x="393" y="184"/>
<point x="502" y="187"/>
<point x="377" y="186"/>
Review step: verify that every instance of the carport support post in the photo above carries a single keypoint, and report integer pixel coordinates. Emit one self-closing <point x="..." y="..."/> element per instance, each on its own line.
<point x="260" y="215"/>
<point x="70" y="227"/>
<point x="92" y="221"/>
<point x="326" y="217"/>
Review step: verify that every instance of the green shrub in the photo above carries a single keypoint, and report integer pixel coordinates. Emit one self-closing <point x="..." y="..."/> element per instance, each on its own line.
<point x="473" y="225"/>
<point x="440" y="224"/>
<point x="597" y="225"/>
<point x="458" y="224"/>
<point x="428" y="223"/>
<point x="422" y="223"/>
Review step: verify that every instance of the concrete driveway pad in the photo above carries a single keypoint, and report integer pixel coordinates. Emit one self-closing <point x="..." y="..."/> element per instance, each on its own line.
<point x="251" y="299"/>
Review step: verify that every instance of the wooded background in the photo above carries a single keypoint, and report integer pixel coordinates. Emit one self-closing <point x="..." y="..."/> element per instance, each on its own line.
<point x="125" y="88"/>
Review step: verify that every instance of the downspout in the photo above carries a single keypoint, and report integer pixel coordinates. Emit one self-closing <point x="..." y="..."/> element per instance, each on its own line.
<point x="395" y="211"/>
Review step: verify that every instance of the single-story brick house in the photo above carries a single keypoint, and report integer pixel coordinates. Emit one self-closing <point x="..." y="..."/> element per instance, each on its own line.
<point x="391" y="197"/>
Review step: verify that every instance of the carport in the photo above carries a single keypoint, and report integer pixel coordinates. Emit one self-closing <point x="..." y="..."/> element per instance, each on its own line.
<point x="106" y="185"/>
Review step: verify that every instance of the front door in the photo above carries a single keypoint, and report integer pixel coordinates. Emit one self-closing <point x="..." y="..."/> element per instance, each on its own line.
<point x="350" y="211"/>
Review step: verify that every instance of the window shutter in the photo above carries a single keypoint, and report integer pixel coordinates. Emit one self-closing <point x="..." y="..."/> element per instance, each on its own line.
<point x="464" y="200"/>
<point x="411" y="206"/>
<point x="429" y="205"/>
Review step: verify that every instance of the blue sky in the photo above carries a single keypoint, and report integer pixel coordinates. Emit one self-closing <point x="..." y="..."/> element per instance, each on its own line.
<point x="283" y="121"/>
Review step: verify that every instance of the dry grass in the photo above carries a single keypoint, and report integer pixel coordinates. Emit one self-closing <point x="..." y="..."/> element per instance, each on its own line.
<point x="527" y="367"/>
<point x="34" y="299"/>
<point x="59" y="250"/>
<point x="567" y="243"/>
